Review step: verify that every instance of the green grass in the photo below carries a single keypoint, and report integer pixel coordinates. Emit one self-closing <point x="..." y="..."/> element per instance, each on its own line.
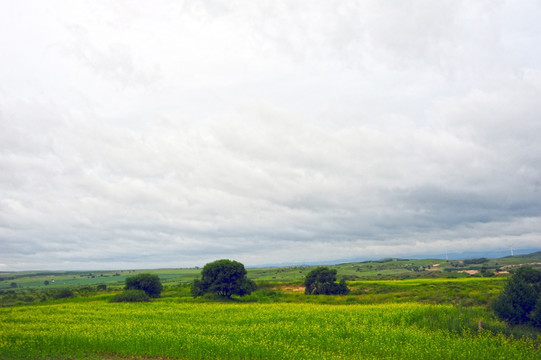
<point x="61" y="279"/>
<point x="462" y="291"/>
<point x="397" y="308"/>
<point x="407" y="319"/>
<point x="171" y="329"/>
<point x="470" y="291"/>
<point x="473" y="291"/>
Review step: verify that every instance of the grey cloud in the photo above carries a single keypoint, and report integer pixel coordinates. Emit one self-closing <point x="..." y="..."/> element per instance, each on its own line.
<point x="172" y="135"/>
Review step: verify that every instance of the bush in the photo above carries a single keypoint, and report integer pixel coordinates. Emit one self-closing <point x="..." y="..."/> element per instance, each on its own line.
<point x="62" y="294"/>
<point x="131" y="296"/>
<point x="101" y="287"/>
<point x="147" y="282"/>
<point x="520" y="301"/>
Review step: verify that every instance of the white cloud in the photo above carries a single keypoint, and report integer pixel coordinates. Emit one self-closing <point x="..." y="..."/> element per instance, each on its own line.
<point x="172" y="134"/>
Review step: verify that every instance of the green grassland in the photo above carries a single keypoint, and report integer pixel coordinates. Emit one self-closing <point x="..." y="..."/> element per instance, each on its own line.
<point x="397" y="308"/>
<point x="171" y="329"/>
<point x="61" y="279"/>
<point x="392" y="268"/>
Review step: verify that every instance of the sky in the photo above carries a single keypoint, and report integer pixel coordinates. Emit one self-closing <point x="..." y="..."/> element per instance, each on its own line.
<point x="137" y="134"/>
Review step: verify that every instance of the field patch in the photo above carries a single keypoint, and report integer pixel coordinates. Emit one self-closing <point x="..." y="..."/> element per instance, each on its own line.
<point x="174" y="330"/>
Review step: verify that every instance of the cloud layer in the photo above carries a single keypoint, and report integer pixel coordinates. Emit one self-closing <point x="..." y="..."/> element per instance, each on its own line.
<point x="175" y="133"/>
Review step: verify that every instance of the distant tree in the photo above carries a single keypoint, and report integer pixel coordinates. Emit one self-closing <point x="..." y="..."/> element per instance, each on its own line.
<point x="13" y="284"/>
<point x="149" y="283"/>
<point x="475" y="261"/>
<point x="485" y="272"/>
<point x="101" y="287"/>
<point x="46" y="282"/>
<point x="322" y="281"/>
<point x="520" y="301"/>
<point x="224" y="278"/>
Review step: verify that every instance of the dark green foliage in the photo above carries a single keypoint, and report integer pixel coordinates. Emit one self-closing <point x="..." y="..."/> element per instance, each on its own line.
<point x="62" y="294"/>
<point x="519" y="302"/>
<point x="322" y="281"/>
<point x="485" y="272"/>
<point x="475" y="261"/>
<point x="101" y="287"/>
<point x="13" y="284"/>
<point x="535" y="315"/>
<point x="46" y="282"/>
<point x="149" y="283"/>
<point x="196" y="288"/>
<point x="131" y="296"/>
<point x="224" y="278"/>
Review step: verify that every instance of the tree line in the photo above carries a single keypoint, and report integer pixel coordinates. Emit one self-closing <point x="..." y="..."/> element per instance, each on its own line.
<point x="226" y="278"/>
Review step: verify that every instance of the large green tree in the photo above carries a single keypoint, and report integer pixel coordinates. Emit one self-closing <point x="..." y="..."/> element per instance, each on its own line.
<point x="224" y="278"/>
<point x="322" y="281"/>
<point x="520" y="301"/>
<point x="149" y="283"/>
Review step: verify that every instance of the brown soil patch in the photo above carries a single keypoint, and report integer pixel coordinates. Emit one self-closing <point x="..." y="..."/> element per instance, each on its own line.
<point x="292" y="288"/>
<point x="471" y="272"/>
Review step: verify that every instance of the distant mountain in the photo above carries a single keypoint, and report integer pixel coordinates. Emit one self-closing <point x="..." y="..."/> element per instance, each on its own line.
<point x="490" y="254"/>
<point x="536" y="254"/>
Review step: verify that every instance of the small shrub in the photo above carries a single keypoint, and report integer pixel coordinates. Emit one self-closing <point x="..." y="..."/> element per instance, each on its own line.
<point x="131" y="296"/>
<point x="101" y="287"/>
<point x="63" y="294"/>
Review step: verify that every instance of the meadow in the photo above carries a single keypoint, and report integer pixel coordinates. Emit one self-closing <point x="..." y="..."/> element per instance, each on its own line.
<point x="171" y="329"/>
<point x="440" y="316"/>
<point x="385" y="269"/>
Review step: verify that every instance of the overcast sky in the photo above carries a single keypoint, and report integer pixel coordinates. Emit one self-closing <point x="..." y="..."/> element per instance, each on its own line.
<point x="144" y="134"/>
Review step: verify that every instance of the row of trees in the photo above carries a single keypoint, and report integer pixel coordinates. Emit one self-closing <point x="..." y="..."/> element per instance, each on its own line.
<point x="226" y="278"/>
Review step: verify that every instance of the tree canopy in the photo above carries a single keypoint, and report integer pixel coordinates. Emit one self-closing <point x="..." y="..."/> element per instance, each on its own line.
<point x="520" y="301"/>
<point x="149" y="283"/>
<point x="322" y="281"/>
<point x="224" y="278"/>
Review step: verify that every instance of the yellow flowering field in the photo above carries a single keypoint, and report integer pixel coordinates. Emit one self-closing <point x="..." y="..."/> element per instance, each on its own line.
<point x="169" y="329"/>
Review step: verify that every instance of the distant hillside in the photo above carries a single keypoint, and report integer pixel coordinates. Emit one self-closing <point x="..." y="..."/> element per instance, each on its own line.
<point x="388" y="268"/>
<point x="490" y="254"/>
<point x="532" y="255"/>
